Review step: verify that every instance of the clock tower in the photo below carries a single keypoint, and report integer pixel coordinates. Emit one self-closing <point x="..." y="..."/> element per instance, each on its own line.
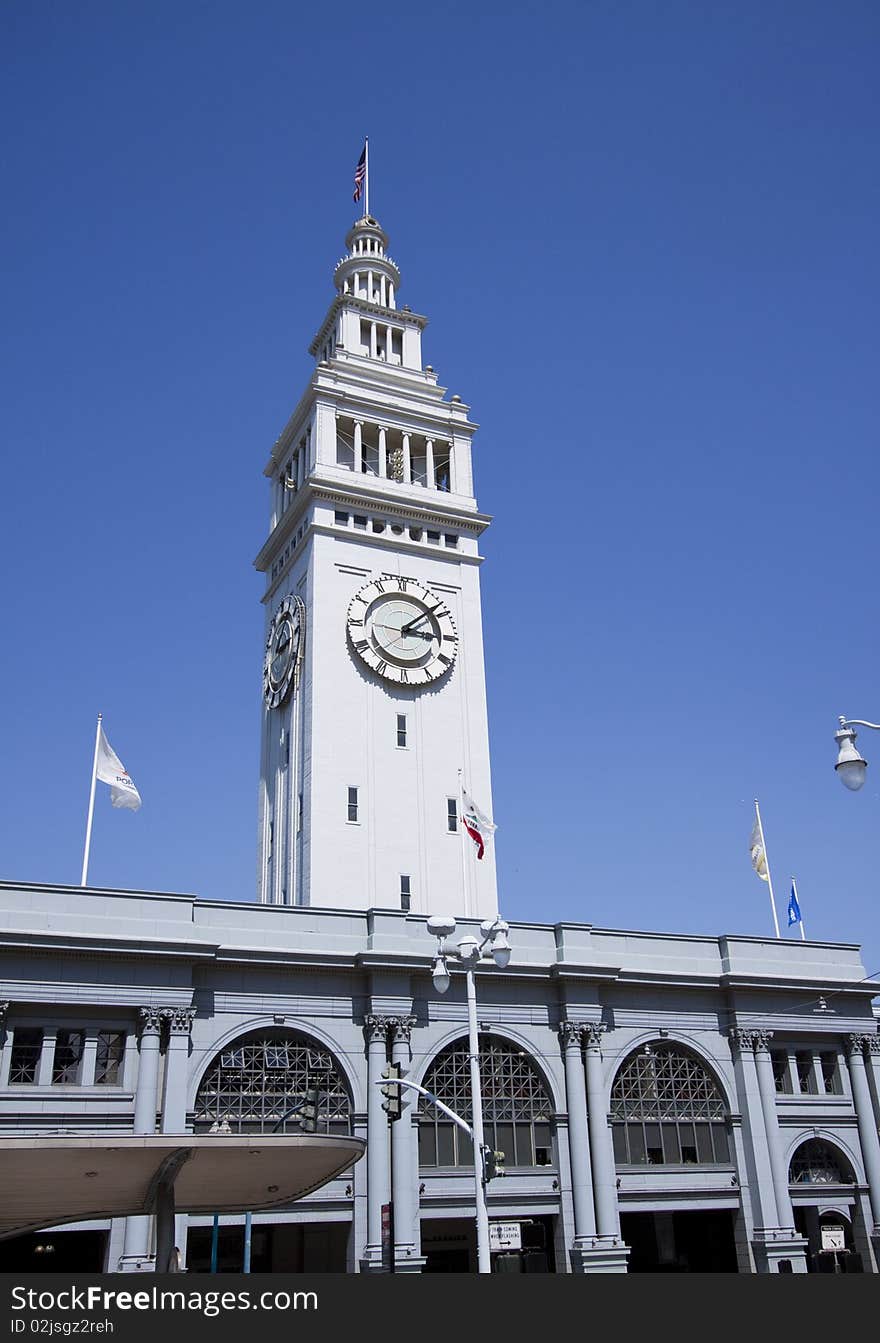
<point x="374" y="696"/>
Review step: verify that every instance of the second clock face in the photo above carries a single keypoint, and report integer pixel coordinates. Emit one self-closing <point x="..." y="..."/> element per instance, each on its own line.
<point x="402" y="630"/>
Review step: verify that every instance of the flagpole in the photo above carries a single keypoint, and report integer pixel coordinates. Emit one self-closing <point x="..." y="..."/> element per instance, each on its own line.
<point x="800" y="911"/>
<point x="767" y="861"/>
<point x="85" y="871"/>
<point x="462" y="833"/>
<point x="366" y="175"/>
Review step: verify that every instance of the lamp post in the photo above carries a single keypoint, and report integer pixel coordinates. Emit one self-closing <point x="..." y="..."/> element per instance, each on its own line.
<point x="850" y="766"/>
<point x="470" y="953"/>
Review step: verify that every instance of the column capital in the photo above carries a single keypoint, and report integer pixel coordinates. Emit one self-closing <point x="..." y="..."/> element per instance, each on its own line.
<point x="150" y="1020"/>
<point x="401" y="1028"/>
<point x="872" y="1043"/>
<point x="571" y="1033"/>
<point x="742" y="1040"/>
<point x="376" y="1026"/>
<point x="179" y="1019"/>
<point x="761" y="1039"/>
<point x="856" y="1042"/>
<point x="592" y="1034"/>
<point x="4" y="1008"/>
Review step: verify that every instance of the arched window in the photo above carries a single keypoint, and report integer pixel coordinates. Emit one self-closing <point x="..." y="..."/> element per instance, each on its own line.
<point x="253" y="1083"/>
<point x="516" y="1107"/>
<point x="817" y="1162"/>
<point x="666" y="1109"/>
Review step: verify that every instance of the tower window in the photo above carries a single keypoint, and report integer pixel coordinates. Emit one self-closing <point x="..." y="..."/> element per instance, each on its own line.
<point x="780" y="1071"/>
<point x="452" y="815"/>
<point x="401" y="729"/>
<point x="341" y="519"/>
<point x="433" y="537"/>
<point x="378" y="526"/>
<point x="405" y="893"/>
<point x="451" y="540"/>
<point x="360" y="522"/>
<point x="352" y="804"/>
<point x="415" y="533"/>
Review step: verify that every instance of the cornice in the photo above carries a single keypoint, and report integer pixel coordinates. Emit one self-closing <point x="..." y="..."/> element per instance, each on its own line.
<point x="106" y="943"/>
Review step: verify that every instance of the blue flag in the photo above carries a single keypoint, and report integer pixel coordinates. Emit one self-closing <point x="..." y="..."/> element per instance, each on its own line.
<point x="794" y="909"/>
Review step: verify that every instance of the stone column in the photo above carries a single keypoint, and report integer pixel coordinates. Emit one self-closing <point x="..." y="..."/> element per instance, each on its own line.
<point x="383" y="453"/>
<point x="136" y="1249"/>
<point x="376" y="1030"/>
<point x="873" y="1048"/>
<point x="373" y="347"/>
<point x="391" y="293"/>
<point x="407" y="461"/>
<point x="180" y="1020"/>
<point x="604" y="1175"/>
<point x="767" y="1090"/>
<point x="407" y="1250"/>
<point x="358" y="446"/>
<point x="430" y="479"/>
<point x="866" y="1121"/>
<point x="571" y="1035"/>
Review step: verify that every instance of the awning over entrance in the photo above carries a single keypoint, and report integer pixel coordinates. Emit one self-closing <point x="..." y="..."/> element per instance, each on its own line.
<point x="47" y="1181"/>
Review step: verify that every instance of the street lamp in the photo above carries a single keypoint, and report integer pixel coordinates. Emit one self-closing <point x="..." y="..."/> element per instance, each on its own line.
<point x="850" y="766"/>
<point x="470" y="953"/>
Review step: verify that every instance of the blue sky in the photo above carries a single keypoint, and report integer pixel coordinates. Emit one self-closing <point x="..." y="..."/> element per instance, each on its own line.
<point x="646" y="238"/>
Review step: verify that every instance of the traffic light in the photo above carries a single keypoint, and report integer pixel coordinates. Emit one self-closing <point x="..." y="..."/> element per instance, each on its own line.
<point x="308" y="1110"/>
<point x="391" y="1090"/>
<point x="493" y="1164"/>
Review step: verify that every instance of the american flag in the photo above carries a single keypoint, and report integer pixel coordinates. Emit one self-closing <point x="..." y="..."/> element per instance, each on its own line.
<point x="360" y="173"/>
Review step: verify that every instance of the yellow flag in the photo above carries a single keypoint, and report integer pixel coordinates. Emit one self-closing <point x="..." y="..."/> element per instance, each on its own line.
<point x="756" y="849"/>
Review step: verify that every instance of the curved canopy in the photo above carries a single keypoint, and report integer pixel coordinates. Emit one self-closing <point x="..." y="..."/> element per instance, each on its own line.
<point x="47" y="1181"/>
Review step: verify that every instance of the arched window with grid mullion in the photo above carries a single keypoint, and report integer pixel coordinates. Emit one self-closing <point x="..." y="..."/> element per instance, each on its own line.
<point x="667" y="1109"/>
<point x="253" y="1083"/>
<point x="517" y="1110"/>
<point x="817" y="1162"/>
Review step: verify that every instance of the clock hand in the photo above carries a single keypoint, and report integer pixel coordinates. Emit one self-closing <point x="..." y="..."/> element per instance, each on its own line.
<point x="411" y="625"/>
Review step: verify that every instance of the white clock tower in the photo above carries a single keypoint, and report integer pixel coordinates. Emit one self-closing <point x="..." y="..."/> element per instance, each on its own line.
<point x="374" y="703"/>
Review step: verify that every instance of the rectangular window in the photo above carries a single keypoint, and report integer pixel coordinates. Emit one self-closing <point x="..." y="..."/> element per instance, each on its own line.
<point x="360" y="522"/>
<point x="405" y="893"/>
<point x="433" y="537"/>
<point x="805" y="1072"/>
<point x="450" y="540"/>
<point x="452" y="815"/>
<point x="830" y="1076"/>
<point x="67" y="1062"/>
<point x="24" y="1063"/>
<point x="781" y="1074"/>
<point x="341" y="519"/>
<point x="352" y="804"/>
<point x="401" y="729"/>
<point x="108" y="1060"/>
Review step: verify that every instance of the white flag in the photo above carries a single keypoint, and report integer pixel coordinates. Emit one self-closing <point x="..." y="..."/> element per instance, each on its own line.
<point x="110" y="769"/>
<point x="756" y="849"/>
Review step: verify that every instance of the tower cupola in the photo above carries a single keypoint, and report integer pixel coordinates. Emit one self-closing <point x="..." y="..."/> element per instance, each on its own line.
<point x="367" y="271"/>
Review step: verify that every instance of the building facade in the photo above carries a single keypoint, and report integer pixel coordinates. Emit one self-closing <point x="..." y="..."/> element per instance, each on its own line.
<point x="662" y="1102"/>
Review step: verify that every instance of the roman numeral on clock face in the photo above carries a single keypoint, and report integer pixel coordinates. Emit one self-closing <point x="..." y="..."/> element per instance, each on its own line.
<point x="361" y="645"/>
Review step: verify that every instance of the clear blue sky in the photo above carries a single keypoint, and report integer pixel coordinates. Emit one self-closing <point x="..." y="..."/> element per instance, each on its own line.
<point x="646" y="238"/>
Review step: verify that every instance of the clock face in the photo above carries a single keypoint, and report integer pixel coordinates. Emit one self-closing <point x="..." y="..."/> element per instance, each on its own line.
<point x="402" y="630"/>
<point x="283" y="651"/>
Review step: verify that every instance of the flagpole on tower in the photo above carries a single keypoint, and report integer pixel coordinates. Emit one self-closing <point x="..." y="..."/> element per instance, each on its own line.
<point x="85" y="868"/>
<point x="367" y="176"/>
<point x="767" y="862"/>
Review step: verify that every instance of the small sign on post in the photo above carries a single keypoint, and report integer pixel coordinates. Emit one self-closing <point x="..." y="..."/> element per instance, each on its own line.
<point x="505" y="1236"/>
<point x="833" y="1237"/>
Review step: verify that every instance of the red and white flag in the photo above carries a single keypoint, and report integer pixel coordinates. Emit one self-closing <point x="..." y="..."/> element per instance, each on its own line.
<point x="475" y="822"/>
<point x="360" y="174"/>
